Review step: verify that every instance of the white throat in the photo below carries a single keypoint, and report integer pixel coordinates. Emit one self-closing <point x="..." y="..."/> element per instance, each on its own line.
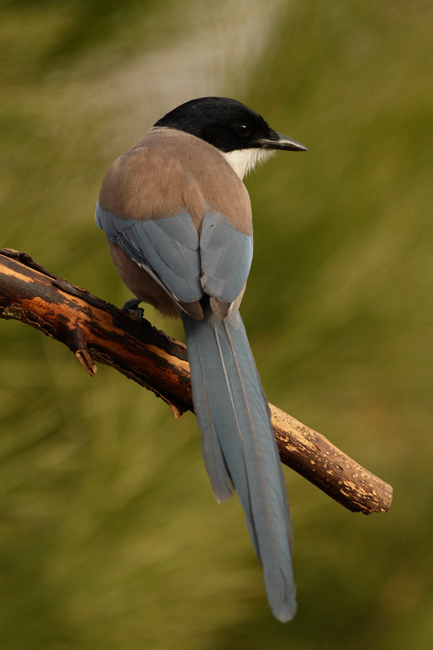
<point x="243" y="160"/>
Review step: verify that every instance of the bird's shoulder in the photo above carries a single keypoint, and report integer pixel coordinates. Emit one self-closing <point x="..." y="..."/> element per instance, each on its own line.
<point x="170" y="171"/>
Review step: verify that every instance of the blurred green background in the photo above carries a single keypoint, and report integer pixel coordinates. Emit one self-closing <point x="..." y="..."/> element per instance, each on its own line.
<point x="110" y="537"/>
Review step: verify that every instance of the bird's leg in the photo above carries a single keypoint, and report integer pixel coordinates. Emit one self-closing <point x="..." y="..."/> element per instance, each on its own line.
<point x="131" y="306"/>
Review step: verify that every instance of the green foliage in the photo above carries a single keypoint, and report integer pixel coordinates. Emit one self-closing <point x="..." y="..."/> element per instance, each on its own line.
<point x="110" y="537"/>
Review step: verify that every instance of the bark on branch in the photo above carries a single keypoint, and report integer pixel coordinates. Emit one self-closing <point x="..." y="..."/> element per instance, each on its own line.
<point x="97" y="331"/>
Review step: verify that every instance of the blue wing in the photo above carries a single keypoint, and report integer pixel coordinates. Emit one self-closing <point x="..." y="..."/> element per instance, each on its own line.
<point x="226" y="255"/>
<point x="169" y="247"/>
<point x="215" y="262"/>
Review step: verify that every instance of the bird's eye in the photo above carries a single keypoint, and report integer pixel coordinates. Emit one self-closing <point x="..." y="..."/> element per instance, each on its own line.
<point x="243" y="130"/>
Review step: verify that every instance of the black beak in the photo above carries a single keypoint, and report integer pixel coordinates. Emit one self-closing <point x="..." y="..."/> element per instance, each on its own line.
<point x="279" y="141"/>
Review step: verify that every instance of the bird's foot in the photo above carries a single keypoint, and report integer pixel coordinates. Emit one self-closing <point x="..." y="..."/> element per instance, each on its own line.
<point x="131" y="306"/>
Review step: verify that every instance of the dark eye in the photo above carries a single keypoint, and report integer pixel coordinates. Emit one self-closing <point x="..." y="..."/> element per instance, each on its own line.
<point x="243" y="130"/>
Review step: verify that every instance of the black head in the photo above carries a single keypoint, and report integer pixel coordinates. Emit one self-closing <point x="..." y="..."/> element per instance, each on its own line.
<point x="226" y="124"/>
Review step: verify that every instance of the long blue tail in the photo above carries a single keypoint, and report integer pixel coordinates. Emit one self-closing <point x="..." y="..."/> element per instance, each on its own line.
<point x="239" y="447"/>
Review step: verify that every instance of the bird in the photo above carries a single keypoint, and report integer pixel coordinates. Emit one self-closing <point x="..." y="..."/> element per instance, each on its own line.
<point x="178" y="223"/>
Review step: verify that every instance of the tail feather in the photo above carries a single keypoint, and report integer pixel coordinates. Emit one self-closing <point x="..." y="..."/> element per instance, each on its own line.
<point x="216" y="466"/>
<point x="239" y="446"/>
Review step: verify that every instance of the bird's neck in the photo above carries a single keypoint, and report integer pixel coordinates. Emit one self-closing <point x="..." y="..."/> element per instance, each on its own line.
<point x="244" y="160"/>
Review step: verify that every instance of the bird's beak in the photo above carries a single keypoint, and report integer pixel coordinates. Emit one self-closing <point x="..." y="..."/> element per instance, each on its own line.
<point x="280" y="141"/>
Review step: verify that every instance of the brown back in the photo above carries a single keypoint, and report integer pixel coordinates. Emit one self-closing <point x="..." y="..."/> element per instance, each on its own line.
<point x="170" y="171"/>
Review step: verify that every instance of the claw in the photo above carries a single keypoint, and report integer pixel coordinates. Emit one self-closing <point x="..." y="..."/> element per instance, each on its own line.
<point x="131" y="306"/>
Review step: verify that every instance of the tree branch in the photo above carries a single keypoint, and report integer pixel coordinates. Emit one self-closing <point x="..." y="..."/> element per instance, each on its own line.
<point x="97" y="331"/>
